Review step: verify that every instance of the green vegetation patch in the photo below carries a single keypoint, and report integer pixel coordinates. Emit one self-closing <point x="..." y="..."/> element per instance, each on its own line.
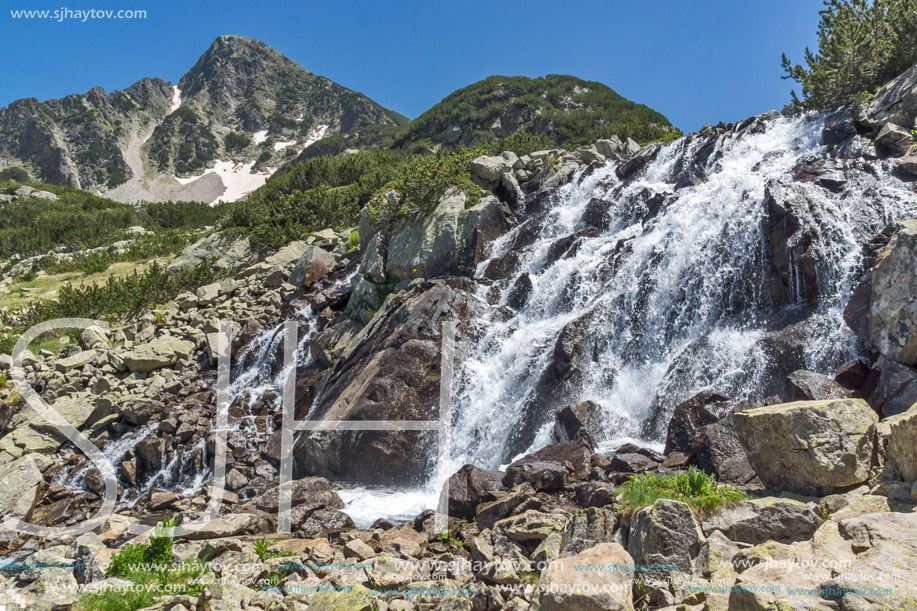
<point x="694" y="487"/>
<point x="862" y="45"/>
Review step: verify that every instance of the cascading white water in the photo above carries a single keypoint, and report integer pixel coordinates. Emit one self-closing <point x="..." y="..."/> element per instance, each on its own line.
<point x="674" y="302"/>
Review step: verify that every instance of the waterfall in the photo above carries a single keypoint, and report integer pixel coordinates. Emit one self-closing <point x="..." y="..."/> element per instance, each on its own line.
<point x="669" y="303"/>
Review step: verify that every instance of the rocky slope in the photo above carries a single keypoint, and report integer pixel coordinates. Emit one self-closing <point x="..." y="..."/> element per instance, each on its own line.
<point x="741" y="299"/>
<point x="242" y="110"/>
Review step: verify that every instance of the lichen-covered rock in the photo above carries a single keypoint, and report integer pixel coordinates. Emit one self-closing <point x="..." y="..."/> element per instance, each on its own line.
<point x="427" y="248"/>
<point x="665" y="534"/>
<point x="565" y="586"/>
<point x="161" y="352"/>
<point x="902" y="443"/>
<point x="759" y="520"/>
<point x="809" y="445"/>
<point x="22" y="485"/>
<point x="882" y="311"/>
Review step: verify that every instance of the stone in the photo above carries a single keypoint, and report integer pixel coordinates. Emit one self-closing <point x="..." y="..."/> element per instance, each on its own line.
<point x="588" y="528"/>
<point x="766" y="519"/>
<point x="540" y="474"/>
<point x="902" y="443"/>
<point x="23" y="485"/>
<point x="573" y="421"/>
<point x="564" y="586"/>
<point x="895" y="139"/>
<point x="489" y="513"/>
<point x="353" y="598"/>
<point x="231" y="525"/>
<point x="809" y="445"/>
<point x="471" y="486"/>
<point x="531" y="525"/>
<point x="715" y="556"/>
<point x="722" y="453"/>
<point x="895" y="390"/>
<point x="227" y="253"/>
<point x="882" y="311"/>
<point x="164" y="351"/>
<point x="488" y="170"/>
<point x="77" y="361"/>
<point x="686" y="427"/>
<point x="356" y="548"/>
<point x="594" y="494"/>
<point x="94" y="337"/>
<point x="427" y="247"/>
<point x="314" y="264"/>
<point x="802" y="385"/>
<point x="665" y="534"/>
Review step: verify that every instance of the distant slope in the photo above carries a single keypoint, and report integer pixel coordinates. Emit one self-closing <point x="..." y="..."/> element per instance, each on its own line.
<point x="564" y="108"/>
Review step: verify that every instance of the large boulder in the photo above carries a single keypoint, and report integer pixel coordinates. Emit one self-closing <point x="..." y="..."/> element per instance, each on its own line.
<point x="895" y="390"/>
<point x="22" y="485"/>
<point x="427" y="247"/>
<point x="686" y="427"/>
<point x="314" y="264"/>
<point x="665" y="537"/>
<point x="471" y="486"/>
<point x="565" y="586"/>
<point x="389" y="370"/>
<point x="767" y="519"/>
<point x="882" y="311"/>
<point x="164" y="351"/>
<point x="809" y="445"/>
<point x="902" y="443"/>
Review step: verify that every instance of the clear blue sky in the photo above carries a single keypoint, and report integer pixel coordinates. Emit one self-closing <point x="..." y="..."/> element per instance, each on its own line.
<point x="696" y="62"/>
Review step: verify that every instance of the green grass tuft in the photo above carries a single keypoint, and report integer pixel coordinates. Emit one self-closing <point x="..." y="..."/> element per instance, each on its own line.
<point x="694" y="487"/>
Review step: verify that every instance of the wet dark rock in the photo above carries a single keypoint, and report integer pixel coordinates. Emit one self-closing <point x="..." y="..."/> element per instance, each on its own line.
<point x="838" y="126"/>
<point x="580" y="421"/>
<point x="540" y="474"/>
<point x="802" y="385"/>
<point x="689" y="419"/>
<point x="852" y="375"/>
<point x="469" y="487"/>
<point x="596" y="213"/>
<point x="519" y="294"/>
<point x="896" y="388"/>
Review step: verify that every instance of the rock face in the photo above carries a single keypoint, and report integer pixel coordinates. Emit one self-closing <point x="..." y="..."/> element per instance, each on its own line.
<point x="883" y="311"/>
<point x="809" y="445"/>
<point x="388" y="371"/>
<point x="566" y="587"/>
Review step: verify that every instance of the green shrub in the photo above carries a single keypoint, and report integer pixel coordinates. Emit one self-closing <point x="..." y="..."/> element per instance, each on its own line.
<point x="14" y="174"/>
<point x="862" y="44"/>
<point x="263" y="550"/>
<point x="236" y="141"/>
<point x="694" y="487"/>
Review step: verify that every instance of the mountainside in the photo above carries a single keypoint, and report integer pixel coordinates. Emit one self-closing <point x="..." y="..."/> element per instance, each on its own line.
<point x="566" y="109"/>
<point x="242" y="110"/>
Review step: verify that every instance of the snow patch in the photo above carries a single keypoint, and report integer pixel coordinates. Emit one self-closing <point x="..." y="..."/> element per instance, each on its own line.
<point x="237" y="178"/>
<point x="176" y="99"/>
<point x="279" y="146"/>
<point x="260" y="137"/>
